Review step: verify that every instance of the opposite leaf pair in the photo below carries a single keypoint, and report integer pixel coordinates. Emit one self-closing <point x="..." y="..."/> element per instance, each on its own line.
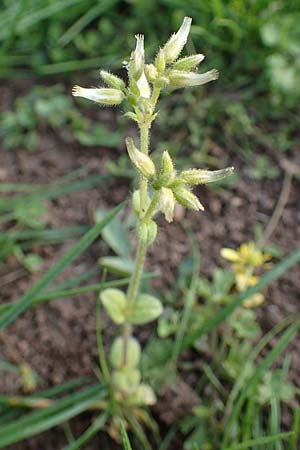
<point x="145" y="309"/>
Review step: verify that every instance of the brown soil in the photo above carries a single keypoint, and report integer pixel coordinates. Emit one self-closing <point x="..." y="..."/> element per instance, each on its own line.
<point x="57" y="339"/>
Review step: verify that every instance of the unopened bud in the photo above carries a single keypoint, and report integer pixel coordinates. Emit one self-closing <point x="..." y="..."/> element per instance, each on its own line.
<point x="151" y="72"/>
<point x="160" y="61"/>
<point x="167" y="172"/>
<point x="140" y="160"/>
<point x="162" y="82"/>
<point x="104" y="96"/>
<point x="175" y="44"/>
<point x="187" y="198"/>
<point x="197" y="176"/>
<point x="143" y="85"/>
<point x="136" y="64"/>
<point x="189" y="62"/>
<point x="179" y="78"/>
<point x="112" y="80"/>
<point x="166" y="203"/>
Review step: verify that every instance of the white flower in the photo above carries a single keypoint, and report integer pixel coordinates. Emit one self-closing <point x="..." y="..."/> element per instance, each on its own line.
<point x="166" y="203"/>
<point x="143" y="86"/>
<point x="136" y="64"/>
<point x="105" y="96"/>
<point x="180" y="78"/>
<point x="177" y="41"/>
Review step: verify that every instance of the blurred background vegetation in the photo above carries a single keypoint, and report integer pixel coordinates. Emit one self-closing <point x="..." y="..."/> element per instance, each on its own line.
<point x="255" y="45"/>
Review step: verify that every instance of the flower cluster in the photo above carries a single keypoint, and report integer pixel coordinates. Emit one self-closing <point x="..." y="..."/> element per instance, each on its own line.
<point x="167" y="70"/>
<point x="244" y="262"/>
<point x="172" y="186"/>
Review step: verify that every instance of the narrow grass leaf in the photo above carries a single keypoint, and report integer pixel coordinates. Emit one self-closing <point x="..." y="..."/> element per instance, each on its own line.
<point x="38" y="421"/>
<point x="124" y="437"/>
<point x="225" y="312"/>
<point x="27" y="299"/>
<point x="188" y="306"/>
<point x="264" y="365"/>
<point x="260" y="441"/>
<point x="89" y="433"/>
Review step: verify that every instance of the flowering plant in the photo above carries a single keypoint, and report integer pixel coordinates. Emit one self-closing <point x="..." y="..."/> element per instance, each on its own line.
<point x="160" y="188"/>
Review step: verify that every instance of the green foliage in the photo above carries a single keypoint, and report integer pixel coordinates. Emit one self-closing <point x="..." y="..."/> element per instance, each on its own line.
<point x="25" y="218"/>
<point x="50" y="107"/>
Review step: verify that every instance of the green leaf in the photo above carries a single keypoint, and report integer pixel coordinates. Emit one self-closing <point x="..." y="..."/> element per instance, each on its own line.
<point x="146" y="309"/>
<point x="126" y="379"/>
<point x="117" y="352"/>
<point x="225" y="312"/>
<point x="252" y="382"/>
<point x="27" y="299"/>
<point x="31" y="213"/>
<point x="115" y="304"/>
<point x="260" y="441"/>
<point x="119" y="266"/>
<point x="38" y="421"/>
<point x="124" y="437"/>
<point x="115" y="234"/>
<point x="91" y="431"/>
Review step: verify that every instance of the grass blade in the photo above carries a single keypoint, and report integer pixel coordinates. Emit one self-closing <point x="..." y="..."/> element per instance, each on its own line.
<point x="124" y="437"/>
<point x="225" y="312"/>
<point x="188" y="306"/>
<point x="264" y="365"/>
<point x="260" y="441"/>
<point x="38" y="421"/>
<point x="27" y="299"/>
<point x="89" y="433"/>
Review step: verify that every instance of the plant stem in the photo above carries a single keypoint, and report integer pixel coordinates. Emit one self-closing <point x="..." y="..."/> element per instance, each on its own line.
<point x="144" y="144"/>
<point x="146" y="214"/>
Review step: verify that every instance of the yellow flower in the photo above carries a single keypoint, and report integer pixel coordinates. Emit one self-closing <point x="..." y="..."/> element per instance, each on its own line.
<point x="242" y="282"/>
<point x="248" y="254"/>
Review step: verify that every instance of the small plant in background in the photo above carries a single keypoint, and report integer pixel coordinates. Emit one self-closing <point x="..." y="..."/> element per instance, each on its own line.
<point x="160" y="188"/>
<point x="48" y="107"/>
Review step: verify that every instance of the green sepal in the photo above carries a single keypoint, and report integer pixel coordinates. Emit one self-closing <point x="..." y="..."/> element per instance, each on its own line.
<point x="115" y="304"/>
<point x="145" y="309"/>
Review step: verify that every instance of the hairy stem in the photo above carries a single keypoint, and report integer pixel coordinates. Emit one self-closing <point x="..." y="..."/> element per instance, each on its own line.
<point x="144" y="145"/>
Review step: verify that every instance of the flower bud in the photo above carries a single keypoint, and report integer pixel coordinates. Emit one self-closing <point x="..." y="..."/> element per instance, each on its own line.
<point x="166" y="203"/>
<point x="103" y="96"/>
<point x="143" y="86"/>
<point x="175" y="44"/>
<point x="180" y="78"/>
<point x="197" y="176"/>
<point x="112" y="80"/>
<point x="140" y="160"/>
<point x="151" y="72"/>
<point x="167" y="172"/>
<point x="136" y="64"/>
<point x="160" y="61"/>
<point x="187" y="199"/>
<point x="162" y="82"/>
<point x="189" y="62"/>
